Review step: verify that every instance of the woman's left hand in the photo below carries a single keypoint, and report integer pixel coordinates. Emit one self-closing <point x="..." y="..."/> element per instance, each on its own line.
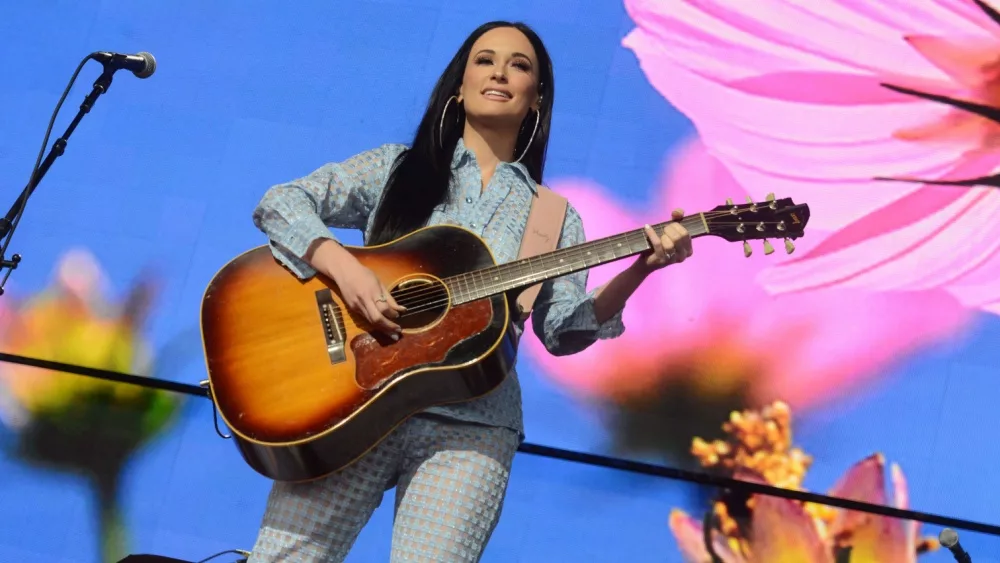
<point x="673" y="246"/>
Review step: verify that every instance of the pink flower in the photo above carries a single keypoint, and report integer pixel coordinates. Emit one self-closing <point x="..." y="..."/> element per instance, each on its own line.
<point x="815" y="102"/>
<point x="758" y="447"/>
<point x="706" y="322"/>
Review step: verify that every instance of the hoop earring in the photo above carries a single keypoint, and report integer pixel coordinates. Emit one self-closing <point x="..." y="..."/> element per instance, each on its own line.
<point x="538" y="117"/>
<point x="444" y="112"/>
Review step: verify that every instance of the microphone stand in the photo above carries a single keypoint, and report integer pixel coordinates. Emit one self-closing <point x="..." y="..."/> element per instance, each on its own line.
<point x="8" y="224"/>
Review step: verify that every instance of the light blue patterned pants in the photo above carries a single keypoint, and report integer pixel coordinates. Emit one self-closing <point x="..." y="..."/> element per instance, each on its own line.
<point x="450" y="480"/>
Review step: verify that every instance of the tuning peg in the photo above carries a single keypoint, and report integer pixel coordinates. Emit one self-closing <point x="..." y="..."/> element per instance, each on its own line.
<point x="747" y="251"/>
<point x="729" y="201"/>
<point x="768" y="249"/>
<point x="749" y="199"/>
<point x="770" y="197"/>
<point x="789" y="247"/>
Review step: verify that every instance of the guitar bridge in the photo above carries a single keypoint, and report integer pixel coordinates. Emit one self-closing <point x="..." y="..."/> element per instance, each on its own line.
<point x="332" y="319"/>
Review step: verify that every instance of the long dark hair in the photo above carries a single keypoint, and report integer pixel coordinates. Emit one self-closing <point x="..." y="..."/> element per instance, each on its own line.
<point x="420" y="177"/>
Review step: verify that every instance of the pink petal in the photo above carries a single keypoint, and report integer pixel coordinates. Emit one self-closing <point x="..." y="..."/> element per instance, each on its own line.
<point x="834" y="340"/>
<point x="784" y="533"/>
<point x="967" y="59"/>
<point x="820" y="88"/>
<point x="901" y="499"/>
<point x="864" y="481"/>
<point x="776" y="35"/>
<point x="80" y="274"/>
<point x="773" y="34"/>
<point x="872" y="537"/>
<point x="939" y="236"/>
<point x="690" y="539"/>
<point x="688" y="533"/>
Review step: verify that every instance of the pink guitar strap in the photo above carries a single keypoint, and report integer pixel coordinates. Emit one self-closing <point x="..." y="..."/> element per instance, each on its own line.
<point x="541" y="235"/>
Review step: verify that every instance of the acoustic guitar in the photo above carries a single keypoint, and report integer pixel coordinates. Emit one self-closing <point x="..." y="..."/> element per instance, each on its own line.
<point x="307" y="387"/>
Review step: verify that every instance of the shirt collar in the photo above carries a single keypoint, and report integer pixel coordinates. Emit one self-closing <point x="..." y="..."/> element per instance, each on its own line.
<point x="464" y="156"/>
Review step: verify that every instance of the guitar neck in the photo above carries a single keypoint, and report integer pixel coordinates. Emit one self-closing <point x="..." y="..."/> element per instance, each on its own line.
<point x="526" y="272"/>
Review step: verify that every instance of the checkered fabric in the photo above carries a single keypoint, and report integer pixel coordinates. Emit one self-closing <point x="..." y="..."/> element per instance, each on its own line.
<point x="450" y="480"/>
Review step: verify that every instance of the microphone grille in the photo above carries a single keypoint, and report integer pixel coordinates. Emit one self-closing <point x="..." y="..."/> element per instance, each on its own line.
<point x="150" y="67"/>
<point x="948" y="537"/>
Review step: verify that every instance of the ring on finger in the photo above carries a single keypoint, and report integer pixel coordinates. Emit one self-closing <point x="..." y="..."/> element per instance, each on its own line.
<point x="381" y="299"/>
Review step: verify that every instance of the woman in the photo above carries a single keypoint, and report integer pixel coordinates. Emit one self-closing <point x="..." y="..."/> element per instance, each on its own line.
<point x="476" y="160"/>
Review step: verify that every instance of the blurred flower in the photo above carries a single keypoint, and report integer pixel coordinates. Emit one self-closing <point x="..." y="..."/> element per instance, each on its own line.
<point x="702" y="339"/>
<point x="760" y="528"/>
<point x="814" y="102"/>
<point x="73" y="423"/>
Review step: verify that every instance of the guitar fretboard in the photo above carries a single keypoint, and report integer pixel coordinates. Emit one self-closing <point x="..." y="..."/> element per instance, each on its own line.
<point x="529" y="271"/>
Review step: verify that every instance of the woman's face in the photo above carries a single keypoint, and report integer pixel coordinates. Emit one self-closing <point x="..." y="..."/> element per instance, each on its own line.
<point x="500" y="83"/>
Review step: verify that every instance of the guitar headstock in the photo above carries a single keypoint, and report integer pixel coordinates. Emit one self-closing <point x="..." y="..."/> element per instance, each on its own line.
<point x="772" y="218"/>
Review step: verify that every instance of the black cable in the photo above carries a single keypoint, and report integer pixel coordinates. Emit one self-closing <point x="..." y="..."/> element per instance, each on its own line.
<point x="9" y="235"/>
<point x="241" y="552"/>
<point x="707" y="525"/>
<point x="162" y="384"/>
<point x="701" y="478"/>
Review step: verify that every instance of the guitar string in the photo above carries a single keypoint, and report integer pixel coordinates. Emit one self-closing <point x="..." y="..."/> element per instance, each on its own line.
<point x="437" y="296"/>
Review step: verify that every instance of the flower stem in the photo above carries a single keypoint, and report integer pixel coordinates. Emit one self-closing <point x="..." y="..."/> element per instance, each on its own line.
<point x="112" y="534"/>
<point x="842" y="554"/>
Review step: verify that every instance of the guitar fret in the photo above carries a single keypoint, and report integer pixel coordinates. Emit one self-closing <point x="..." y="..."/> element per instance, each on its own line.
<point x="637" y="242"/>
<point x="482" y="285"/>
<point x="461" y="289"/>
<point x="533" y="275"/>
<point x="494" y="277"/>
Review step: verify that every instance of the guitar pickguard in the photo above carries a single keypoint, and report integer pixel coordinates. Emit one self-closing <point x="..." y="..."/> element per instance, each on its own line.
<point x="377" y="363"/>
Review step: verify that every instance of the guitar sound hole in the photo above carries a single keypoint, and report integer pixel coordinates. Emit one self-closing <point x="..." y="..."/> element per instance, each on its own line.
<point x="426" y="301"/>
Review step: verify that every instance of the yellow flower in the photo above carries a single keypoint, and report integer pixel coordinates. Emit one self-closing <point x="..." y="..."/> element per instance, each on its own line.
<point x="72" y="322"/>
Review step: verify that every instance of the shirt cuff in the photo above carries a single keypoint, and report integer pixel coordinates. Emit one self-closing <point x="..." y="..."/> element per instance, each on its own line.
<point x="586" y="318"/>
<point x="291" y="247"/>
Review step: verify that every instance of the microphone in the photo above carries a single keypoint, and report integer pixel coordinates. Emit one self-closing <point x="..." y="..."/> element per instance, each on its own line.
<point x="142" y="65"/>
<point x="949" y="539"/>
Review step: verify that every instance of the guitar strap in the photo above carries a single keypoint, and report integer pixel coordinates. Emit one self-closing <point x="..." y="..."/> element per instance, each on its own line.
<point x="541" y="235"/>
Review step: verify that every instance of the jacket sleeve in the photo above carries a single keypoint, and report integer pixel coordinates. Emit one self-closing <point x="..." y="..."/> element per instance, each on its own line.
<point x="341" y="195"/>
<point x="563" y="317"/>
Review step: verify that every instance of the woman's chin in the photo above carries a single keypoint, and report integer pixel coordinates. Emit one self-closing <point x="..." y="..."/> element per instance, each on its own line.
<point x="496" y="117"/>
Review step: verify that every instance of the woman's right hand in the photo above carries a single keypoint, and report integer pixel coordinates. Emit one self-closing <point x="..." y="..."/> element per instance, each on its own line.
<point x="362" y="291"/>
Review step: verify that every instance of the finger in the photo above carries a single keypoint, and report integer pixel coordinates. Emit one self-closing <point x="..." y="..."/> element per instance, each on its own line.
<point x="669" y="249"/>
<point x="685" y="241"/>
<point x="386" y="309"/>
<point x="680" y="238"/>
<point x="677" y="214"/>
<point x="379" y="321"/>
<point x="391" y="301"/>
<point x="655" y="242"/>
